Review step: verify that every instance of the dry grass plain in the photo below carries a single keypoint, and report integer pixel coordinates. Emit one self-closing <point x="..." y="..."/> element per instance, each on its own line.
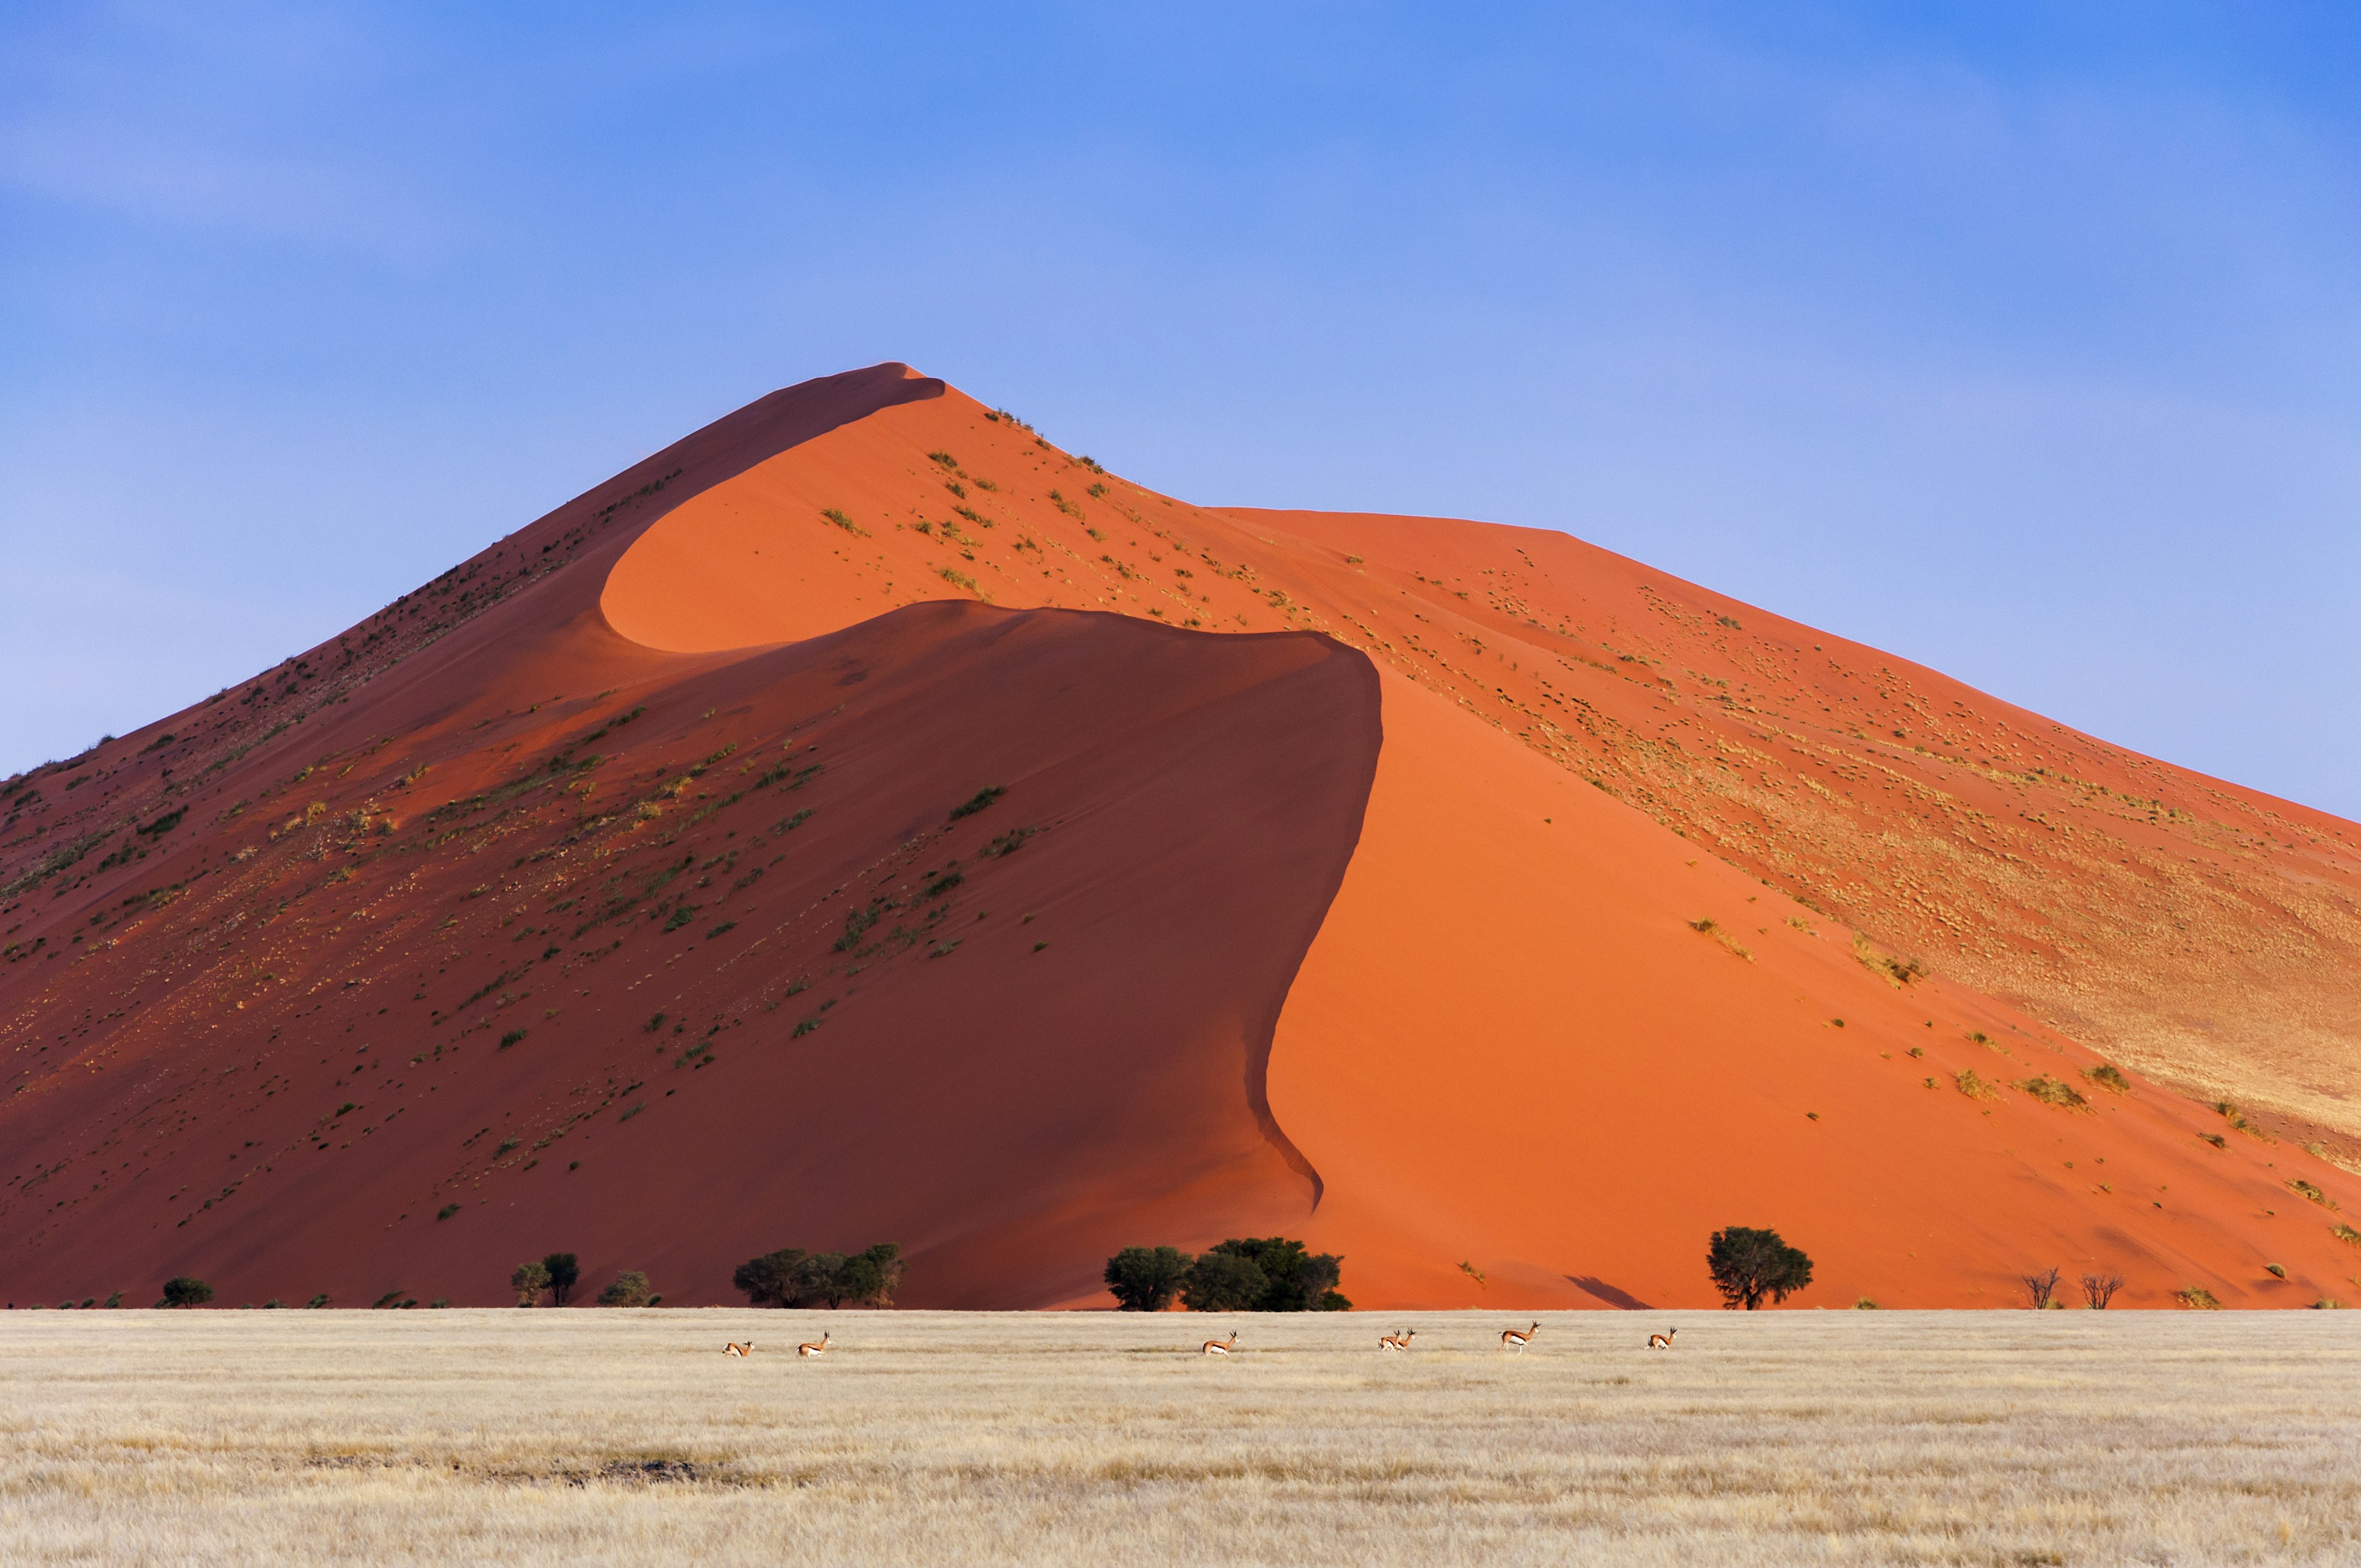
<point x="1778" y="1438"/>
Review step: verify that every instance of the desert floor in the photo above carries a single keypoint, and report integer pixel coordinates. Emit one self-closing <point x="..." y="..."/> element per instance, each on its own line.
<point x="1790" y="1437"/>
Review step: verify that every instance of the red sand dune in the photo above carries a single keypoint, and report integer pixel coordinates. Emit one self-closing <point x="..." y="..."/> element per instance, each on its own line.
<point x="1510" y="1044"/>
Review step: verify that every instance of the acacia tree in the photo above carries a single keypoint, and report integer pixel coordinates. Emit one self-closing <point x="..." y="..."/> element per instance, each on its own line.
<point x="869" y="1277"/>
<point x="794" y="1277"/>
<point x="1146" y="1278"/>
<point x="630" y="1288"/>
<point x="563" y="1270"/>
<point x="2098" y="1289"/>
<point x="1297" y="1279"/>
<point x="773" y="1279"/>
<point x="528" y="1281"/>
<point x="1222" y="1282"/>
<point x="1748" y="1265"/>
<point x="186" y="1291"/>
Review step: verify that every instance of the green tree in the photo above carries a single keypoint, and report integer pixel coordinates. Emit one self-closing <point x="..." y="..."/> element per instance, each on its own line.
<point x="794" y="1277"/>
<point x="1146" y="1278"/>
<point x="630" y="1288"/>
<point x="1748" y="1265"/>
<point x="868" y="1278"/>
<point x="1296" y="1279"/>
<point x="773" y="1279"/>
<point x="820" y="1280"/>
<point x="563" y="1270"/>
<point x="528" y="1281"/>
<point x="1222" y="1282"/>
<point x="187" y="1291"/>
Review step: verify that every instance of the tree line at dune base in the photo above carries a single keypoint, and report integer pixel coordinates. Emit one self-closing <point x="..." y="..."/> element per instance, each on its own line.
<point x="1266" y="1274"/>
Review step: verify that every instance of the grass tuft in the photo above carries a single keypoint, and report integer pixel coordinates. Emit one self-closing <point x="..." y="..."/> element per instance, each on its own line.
<point x="2054" y="1092"/>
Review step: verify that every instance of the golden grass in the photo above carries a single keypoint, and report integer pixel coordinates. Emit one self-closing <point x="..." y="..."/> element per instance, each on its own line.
<point x="1089" y="1438"/>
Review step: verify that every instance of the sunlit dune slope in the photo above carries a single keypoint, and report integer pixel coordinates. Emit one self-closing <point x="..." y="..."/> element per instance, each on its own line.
<point x="404" y="912"/>
<point x="1543" y="1038"/>
<point x="2208" y="934"/>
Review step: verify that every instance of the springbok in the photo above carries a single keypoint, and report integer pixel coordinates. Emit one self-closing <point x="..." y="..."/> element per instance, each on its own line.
<point x="1512" y="1339"/>
<point x="807" y="1348"/>
<point x="1397" y="1342"/>
<point x="732" y="1347"/>
<point x="1220" y="1346"/>
<point x="1663" y="1341"/>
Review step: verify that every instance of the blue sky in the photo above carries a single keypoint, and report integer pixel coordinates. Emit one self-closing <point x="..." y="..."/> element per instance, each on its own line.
<point x="2022" y="341"/>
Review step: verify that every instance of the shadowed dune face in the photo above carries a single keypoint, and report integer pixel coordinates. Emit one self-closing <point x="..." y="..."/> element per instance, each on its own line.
<point x="405" y="914"/>
<point x="736" y="958"/>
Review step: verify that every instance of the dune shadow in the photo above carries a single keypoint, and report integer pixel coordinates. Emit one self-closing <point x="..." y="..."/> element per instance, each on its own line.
<point x="1607" y="1293"/>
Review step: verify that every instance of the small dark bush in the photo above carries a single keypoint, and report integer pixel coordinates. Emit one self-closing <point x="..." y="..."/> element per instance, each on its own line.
<point x="856" y="923"/>
<point x="564" y="1271"/>
<point x="2303" y="1188"/>
<point x="511" y="1038"/>
<point x="447" y="1210"/>
<point x="981" y="798"/>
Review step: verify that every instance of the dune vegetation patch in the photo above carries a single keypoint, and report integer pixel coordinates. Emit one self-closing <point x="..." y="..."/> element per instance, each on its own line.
<point x="2054" y="1092"/>
<point x="1708" y="926"/>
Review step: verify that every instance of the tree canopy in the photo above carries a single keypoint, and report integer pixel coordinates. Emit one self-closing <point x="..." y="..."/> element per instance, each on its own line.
<point x="1251" y="1273"/>
<point x="1748" y="1265"/>
<point x="794" y="1277"/>
<point x="187" y="1290"/>
<point x="528" y="1281"/>
<point x="1146" y="1278"/>
<point x="630" y="1288"/>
